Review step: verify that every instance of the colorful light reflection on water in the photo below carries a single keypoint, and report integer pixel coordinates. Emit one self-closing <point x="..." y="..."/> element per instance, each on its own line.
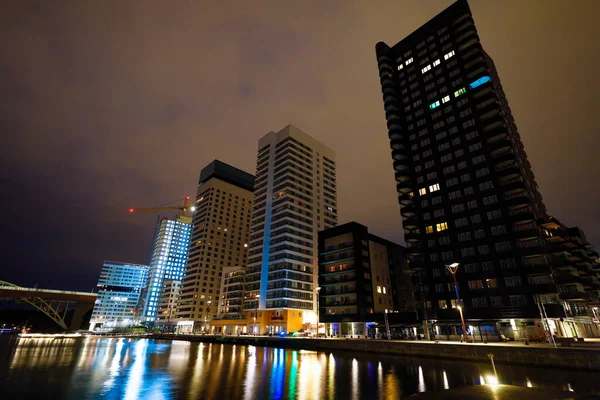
<point x="103" y="368"/>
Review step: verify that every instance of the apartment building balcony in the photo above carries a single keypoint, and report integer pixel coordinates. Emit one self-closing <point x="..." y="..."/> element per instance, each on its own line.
<point x="336" y="248"/>
<point x="402" y="167"/>
<point x="562" y="260"/>
<point x="395" y="130"/>
<point x="508" y="173"/>
<point x="340" y="303"/>
<point x="520" y="216"/>
<point x="399" y="155"/>
<point x="414" y="249"/>
<point x="531" y="250"/>
<point x="526" y="231"/>
<point x="337" y="257"/>
<point x="410" y="222"/>
<point x="500" y="158"/>
<point x="406" y="199"/>
<point x="568" y="275"/>
<point x="543" y="288"/>
<point x="517" y="200"/>
<point x="573" y="292"/>
<point x="230" y="317"/>
<point x="336" y="280"/>
<point x="336" y="291"/>
<point x="580" y="312"/>
<point x="337" y="269"/>
<point x="412" y="236"/>
<point x="512" y="187"/>
<point x="408" y="211"/>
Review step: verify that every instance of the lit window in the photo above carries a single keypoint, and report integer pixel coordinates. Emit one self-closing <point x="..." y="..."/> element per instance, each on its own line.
<point x="427" y="68"/>
<point x="409" y="61"/>
<point x="429" y="229"/>
<point x="446" y="99"/>
<point x="378" y="289"/>
<point x="441" y="226"/>
<point x="434" y="105"/>
<point x="400" y="67"/>
<point x="434" y="188"/>
<point x="460" y="91"/>
<point x="422" y="191"/>
<point x="384" y="290"/>
<point x="436" y="62"/>
<point x="448" y="55"/>
<point x="479" y="82"/>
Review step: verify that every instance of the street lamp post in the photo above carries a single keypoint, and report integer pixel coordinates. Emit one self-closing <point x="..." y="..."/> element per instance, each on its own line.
<point x="317" y="290"/>
<point x="257" y="297"/>
<point x="452" y="268"/>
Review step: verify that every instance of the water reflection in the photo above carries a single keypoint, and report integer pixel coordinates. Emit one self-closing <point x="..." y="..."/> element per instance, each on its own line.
<point x="133" y="369"/>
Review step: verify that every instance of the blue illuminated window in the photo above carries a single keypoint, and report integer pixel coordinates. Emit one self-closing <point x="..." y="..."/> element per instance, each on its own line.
<point x="479" y="82"/>
<point x="434" y="105"/>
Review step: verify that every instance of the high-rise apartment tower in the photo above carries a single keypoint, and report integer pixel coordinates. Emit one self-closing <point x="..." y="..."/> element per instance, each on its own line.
<point x="219" y="238"/>
<point x="167" y="261"/>
<point x="295" y="197"/>
<point x="466" y="189"/>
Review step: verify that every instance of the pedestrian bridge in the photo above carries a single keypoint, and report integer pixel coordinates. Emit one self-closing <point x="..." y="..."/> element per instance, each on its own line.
<point x="53" y="303"/>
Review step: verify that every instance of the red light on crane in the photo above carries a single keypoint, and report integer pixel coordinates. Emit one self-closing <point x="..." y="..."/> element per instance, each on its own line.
<point x="131" y="210"/>
<point x="187" y="197"/>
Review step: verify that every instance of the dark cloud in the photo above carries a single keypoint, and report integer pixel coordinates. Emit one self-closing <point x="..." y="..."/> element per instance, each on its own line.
<point x="112" y="104"/>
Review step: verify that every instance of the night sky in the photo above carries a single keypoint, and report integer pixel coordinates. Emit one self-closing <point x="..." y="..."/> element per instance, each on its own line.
<point x="106" y="105"/>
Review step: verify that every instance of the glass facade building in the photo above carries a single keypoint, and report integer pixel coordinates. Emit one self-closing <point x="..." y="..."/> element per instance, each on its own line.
<point x="167" y="261"/>
<point x="119" y="288"/>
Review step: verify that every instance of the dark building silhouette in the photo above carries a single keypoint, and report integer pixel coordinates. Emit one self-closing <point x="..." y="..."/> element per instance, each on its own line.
<point x="361" y="277"/>
<point x="468" y="194"/>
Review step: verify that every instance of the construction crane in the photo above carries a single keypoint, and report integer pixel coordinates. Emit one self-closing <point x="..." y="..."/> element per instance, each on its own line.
<point x="183" y="209"/>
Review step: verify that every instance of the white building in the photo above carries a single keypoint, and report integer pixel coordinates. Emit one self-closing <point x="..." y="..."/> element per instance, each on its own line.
<point x="119" y="288"/>
<point x="294" y="198"/>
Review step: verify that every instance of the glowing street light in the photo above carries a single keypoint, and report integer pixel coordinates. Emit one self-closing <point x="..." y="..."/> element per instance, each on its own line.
<point x="452" y="268"/>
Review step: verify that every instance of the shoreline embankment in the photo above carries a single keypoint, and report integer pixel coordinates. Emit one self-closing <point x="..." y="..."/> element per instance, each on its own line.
<point x="538" y="356"/>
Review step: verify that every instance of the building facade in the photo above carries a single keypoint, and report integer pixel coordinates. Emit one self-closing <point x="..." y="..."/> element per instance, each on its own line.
<point x="219" y="238"/>
<point x="165" y="318"/>
<point x="231" y="318"/>
<point x="167" y="262"/>
<point x="466" y="189"/>
<point x="295" y="197"/>
<point x="358" y="274"/>
<point x="119" y="288"/>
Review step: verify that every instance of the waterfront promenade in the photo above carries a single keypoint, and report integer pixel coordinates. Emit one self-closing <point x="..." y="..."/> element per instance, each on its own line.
<point x="583" y="356"/>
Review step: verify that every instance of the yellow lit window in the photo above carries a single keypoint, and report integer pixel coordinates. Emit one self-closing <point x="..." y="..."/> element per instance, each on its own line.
<point x="429" y="229"/>
<point x="384" y="290"/>
<point x="422" y="191"/>
<point x="441" y="226"/>
<point x="460" y="91"/>
<point x="378" y="289"/>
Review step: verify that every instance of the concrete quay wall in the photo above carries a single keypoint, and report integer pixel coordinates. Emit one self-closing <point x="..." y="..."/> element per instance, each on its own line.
<point x="569" y="358"/>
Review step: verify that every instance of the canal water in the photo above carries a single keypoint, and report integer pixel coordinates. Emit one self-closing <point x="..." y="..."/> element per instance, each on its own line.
<point x="104" y="368"/>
